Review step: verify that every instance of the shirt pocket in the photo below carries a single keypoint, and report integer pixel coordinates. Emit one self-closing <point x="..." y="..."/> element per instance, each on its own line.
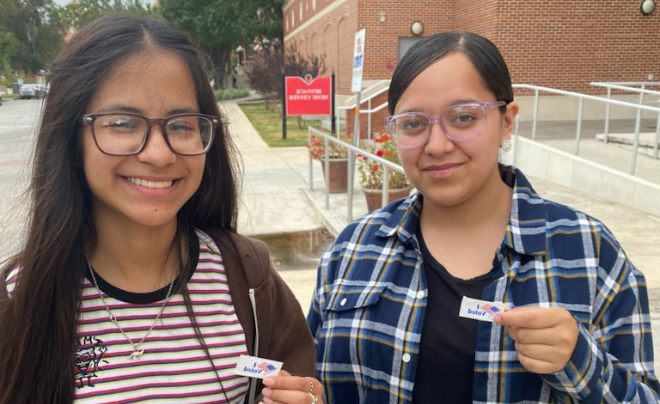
<point x="349" y="297"/>
<point x="350" y="332"/>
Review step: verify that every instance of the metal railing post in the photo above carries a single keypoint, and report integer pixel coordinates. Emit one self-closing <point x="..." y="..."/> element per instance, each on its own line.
<point x="638" y="124"/>
<point x="579" y="127"/>
<point x="351" y="176"/>
<point x="311" y="160"/>
<point x="657" y="138"/>
<point x="386" y="187"/>
<point x="535" y="112"/>
<point x="327" y="174"/>
<point x="607" y="115"/>
<point x="369" y="119"/>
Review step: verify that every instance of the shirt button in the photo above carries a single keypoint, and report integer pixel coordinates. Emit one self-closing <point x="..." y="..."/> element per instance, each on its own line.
<point x="406" y="357"/>
<point x="343" y="302"/>
<point x="420" y="294"/>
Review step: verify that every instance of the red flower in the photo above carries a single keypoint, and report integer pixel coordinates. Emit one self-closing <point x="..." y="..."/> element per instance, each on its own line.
<point x="379" y="153"/>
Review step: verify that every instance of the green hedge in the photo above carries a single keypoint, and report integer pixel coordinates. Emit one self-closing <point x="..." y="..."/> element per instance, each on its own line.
<point x="231" y="93"/>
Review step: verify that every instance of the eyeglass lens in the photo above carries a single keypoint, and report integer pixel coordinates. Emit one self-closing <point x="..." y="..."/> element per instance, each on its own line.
<point x="125" y="134"/>
<point x="462" y="122"/>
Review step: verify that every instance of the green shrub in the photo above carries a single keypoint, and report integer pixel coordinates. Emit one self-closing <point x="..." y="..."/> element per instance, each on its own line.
<point x="231" y="93"/>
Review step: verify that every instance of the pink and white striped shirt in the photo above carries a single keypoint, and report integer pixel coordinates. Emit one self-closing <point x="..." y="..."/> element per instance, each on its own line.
<point x="174" y="368"/>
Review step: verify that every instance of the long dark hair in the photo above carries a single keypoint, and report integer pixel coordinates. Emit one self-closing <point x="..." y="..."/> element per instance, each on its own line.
<point x="38" y="323"/>
<point x="483" y="54"/>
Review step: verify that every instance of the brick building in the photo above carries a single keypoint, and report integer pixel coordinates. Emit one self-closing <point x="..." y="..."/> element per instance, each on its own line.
<point x="564" y="44"/>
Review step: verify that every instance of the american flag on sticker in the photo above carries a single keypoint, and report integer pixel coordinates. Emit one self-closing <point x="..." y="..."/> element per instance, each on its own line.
<point x="490" y="309"/>
<point x="266" y="367"/>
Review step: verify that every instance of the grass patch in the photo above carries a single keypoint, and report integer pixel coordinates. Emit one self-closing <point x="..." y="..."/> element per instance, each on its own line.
<point x="231" y="93"/>
<point x="269" y="125"/>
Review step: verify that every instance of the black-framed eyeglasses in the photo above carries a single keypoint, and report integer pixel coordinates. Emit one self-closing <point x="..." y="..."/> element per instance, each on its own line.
<point x="460" y="123"/>
<point x="126" y="134"/>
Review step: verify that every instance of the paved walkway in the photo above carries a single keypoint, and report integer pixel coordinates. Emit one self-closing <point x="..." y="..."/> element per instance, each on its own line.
<point x="277" y="199"/>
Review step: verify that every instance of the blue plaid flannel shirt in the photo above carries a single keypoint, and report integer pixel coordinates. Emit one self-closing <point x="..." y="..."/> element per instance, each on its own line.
<point x="368" y="308"/>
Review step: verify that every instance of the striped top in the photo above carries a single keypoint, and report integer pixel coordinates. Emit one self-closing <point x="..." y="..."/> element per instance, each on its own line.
<point x="174" y="368"/>
<point x="369" y="305"/>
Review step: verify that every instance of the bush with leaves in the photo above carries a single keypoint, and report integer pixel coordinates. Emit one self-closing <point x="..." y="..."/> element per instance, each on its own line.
<point x="316" y="148"/>
<point x="264" y="73"/>
<point x="371" y="172"/>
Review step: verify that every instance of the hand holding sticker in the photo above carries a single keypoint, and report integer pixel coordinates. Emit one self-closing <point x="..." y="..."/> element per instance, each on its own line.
<point x="253" y="366"/>
<point x="480" y="309"/>
<point x="545" y="337"/>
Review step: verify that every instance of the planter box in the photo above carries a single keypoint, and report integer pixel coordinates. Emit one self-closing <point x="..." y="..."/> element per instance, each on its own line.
<point x="337" y="180"/>
<point x="374" y="197"/>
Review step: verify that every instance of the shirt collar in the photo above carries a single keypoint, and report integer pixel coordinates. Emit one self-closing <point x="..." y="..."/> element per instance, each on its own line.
<point x="403" y="220"/>
<point x="527" y="219"/>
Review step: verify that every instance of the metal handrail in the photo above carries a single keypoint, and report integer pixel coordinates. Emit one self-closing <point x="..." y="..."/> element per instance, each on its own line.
<point x="608" y="102"/>
<point x="581" y="98"/>
<point x="369" y="98"/>
<point x="619" y="86"/>
<point x="352" y="154"/>
<point x="625" y="86"/>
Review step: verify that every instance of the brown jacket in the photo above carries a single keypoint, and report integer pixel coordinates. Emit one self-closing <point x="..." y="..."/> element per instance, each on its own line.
<point x="274" y="324"/>
<point x="279" y="331"/>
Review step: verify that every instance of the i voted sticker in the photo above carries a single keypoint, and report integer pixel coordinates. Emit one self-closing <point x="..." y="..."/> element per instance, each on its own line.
<point x="480" y="309"/>
<point x="254" y="366"/>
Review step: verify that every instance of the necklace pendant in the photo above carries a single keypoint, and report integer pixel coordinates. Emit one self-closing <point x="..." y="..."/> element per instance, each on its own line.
<point x="136" y="355"/>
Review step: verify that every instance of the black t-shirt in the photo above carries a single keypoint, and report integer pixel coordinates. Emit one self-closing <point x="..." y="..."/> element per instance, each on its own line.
<point x="446" y="357"/>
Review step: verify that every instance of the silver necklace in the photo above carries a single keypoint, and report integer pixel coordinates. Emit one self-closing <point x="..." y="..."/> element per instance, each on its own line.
<point x="137" y="353"/>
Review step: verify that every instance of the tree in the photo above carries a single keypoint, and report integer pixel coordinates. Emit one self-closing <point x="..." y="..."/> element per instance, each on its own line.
<point x="8" y="41"/>
<point x="265" y="71"/>
<point x="73" y="16"/>
<point x="8" y="48"/>
<point x="219" y="26"/>
<point x="37" y="41"/>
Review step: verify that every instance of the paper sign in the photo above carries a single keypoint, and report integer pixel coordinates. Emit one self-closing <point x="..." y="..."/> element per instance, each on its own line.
<point x="358" y="61"/>
<point x="480" y="309"/>
<point x="253" y="366"/>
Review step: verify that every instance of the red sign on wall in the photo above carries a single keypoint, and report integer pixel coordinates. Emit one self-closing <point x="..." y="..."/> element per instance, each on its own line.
<point x="308" y="98"/>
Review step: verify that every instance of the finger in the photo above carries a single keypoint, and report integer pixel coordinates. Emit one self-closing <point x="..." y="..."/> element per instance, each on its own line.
<point x="540" y="366"/>
<point x="285" y="381"/>
<point x="563" y="334"/>
<point x="539" y="352"/>
<point x="532" y="317"/>
<point x="289" y="397"/>
<point x="285" y="388"/>
<point x="544" y="358"/>
<point x="545" y="336"/>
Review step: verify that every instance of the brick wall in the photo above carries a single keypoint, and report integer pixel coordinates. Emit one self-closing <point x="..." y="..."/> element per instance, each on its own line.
<point x="563" y="44"/>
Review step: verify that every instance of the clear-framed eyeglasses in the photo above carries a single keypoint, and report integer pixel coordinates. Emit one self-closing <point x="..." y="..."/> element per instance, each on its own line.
<point x="460" y="123"/>
<point x="126" y="134"/>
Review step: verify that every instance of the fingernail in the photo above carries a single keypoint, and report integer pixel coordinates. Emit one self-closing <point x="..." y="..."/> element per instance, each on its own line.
<point x="268" y="381"/>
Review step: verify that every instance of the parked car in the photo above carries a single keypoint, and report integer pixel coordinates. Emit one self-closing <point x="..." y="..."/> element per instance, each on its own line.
<point x="32" y="91"/>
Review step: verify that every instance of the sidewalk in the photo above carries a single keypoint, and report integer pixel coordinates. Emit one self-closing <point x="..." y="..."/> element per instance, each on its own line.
<point x="276" y="199"/>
